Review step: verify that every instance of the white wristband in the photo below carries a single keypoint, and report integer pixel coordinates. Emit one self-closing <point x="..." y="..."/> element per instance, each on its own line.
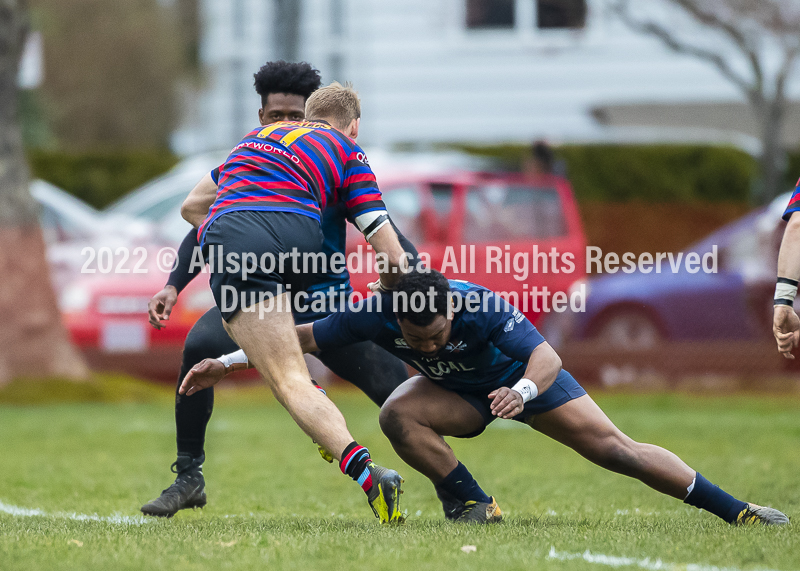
<point x="231" y="358"/>
<point x="527" y="388"/>
<point x="785" y="291"/>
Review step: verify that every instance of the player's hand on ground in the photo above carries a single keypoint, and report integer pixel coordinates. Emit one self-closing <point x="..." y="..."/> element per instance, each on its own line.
<point x="507" y="402"/>
<point x="160" y="306"/>
<point x="786" y="327"/>
<point x="206" y="373"/>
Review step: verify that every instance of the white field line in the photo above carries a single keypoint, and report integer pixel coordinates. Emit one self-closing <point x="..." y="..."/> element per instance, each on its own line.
<point x="113" y="519"/>
<point x="647" y="563"/>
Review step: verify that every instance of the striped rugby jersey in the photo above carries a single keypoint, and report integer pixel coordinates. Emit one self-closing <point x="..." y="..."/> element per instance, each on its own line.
<point x="295" y="167"/>
<point x="794" y="203"/>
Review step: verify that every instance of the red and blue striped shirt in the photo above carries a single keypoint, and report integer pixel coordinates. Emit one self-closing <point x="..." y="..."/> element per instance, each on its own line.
<point x="295" y="167"/>
<point x="794" y="203"/>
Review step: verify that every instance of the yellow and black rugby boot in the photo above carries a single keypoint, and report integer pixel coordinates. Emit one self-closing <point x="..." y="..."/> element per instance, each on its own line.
<point x="753" y="514"/>
<point x="384" y="495"/>
<point x="481" y="512"/>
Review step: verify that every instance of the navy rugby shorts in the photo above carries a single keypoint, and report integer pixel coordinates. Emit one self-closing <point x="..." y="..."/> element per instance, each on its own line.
<point x="259" y="235"/>
<point x="564" y="389"/>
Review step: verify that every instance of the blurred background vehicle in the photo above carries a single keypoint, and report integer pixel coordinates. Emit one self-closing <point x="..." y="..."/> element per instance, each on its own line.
<point x="644" y="310"/>
<point x="464" y="219"/>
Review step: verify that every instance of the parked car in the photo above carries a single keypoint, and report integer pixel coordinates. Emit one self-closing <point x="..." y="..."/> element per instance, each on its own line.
<point x="641" y="310"/>
<point x="474" y="225"/>
<point x="69" y="225"/>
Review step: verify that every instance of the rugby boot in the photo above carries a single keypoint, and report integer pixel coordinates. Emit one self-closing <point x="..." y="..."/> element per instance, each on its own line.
<point x="188" y="490"/>
<point x="384" y="495"/>
<point x="481" y="512"/>
<point x="451" y="505"/>
<point x="753" y="515"/>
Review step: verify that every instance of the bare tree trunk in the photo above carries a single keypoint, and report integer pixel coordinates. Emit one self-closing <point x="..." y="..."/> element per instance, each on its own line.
<point x="772" y="161"/>
<point x="33" y="341"/>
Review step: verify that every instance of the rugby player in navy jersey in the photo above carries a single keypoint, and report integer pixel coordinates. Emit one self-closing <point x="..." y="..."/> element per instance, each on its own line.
<point x="481" y="359"/>
<point x="283" y="88"/>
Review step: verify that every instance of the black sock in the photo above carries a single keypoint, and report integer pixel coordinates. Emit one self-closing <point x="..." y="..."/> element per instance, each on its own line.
<point x="711" y="498"/>
<point x="460" y="484"/>
<point x="192" y="414"/>
<point x="355" y="460"/>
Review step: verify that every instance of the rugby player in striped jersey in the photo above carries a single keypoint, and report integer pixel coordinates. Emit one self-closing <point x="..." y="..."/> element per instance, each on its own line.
<point x="271" y="191"/>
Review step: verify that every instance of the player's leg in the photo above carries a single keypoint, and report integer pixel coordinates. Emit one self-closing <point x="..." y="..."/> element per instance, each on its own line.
<point x="414" y="419"/>
<point x="267" y="335"/>
<point x="206" y="339"/>
<point x="370" y="368"/>
<point x="266" y="332"/>
<point x="584" y="427"/>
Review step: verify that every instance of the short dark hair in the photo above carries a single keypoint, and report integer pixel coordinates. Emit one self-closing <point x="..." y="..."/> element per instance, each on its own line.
<point x="421" y="282"/>
<point x="286" y="77"/>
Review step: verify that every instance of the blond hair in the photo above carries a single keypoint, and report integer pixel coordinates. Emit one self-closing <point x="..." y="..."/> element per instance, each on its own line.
<point x="336" y="103"/>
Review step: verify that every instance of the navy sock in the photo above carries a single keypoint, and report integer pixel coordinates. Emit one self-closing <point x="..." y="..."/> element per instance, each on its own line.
<point x="460" y="484"/>
<point x="355" y="460"/>
<point x="711" y="498"/>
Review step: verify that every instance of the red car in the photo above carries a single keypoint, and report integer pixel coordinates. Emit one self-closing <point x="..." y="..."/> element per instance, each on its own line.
<point x="457" y="218"/>
<point x="506" y="232"/>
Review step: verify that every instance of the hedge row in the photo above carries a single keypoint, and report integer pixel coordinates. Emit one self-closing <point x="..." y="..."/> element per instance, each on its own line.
<point x="650" y="173"/>
<point x="99" y="178"/>
<point x="599" y="173"/>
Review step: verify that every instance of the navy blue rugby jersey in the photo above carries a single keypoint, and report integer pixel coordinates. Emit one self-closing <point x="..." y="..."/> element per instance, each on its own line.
<point x="489" y="346"/>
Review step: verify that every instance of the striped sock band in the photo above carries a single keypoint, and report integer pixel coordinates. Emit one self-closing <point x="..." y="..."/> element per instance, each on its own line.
<point x="355" y="460"/>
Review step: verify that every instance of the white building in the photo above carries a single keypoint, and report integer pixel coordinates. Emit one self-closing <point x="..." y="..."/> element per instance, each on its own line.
<point x="432" y="71"/>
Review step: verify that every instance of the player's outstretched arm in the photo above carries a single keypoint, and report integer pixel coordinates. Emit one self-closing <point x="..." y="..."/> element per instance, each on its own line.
<point x="543" y="368"/>
<point x="785" y="323"/>
<point x="209" y="372"/>
<point x="195" y="208"/>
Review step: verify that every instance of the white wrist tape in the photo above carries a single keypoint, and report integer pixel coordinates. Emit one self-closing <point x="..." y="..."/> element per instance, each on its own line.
<point x="527" y="388"/>
<point x="231" y="358"/>
<point x="785" y="291"/>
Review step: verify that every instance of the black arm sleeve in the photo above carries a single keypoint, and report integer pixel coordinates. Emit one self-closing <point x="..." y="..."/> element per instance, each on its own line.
<point x="183" y="273"/>
<point x="406" y="244"/>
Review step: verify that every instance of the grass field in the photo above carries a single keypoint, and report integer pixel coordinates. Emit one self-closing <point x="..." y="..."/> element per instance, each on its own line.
<point x="72" y="477"/>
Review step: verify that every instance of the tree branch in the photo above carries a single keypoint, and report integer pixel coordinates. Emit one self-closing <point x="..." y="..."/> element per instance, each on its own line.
<point x="672" y="42"/>
<point x="735" y="34"/>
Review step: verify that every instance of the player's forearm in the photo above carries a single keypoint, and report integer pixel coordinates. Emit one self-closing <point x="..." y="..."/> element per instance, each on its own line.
<point x="185" y="270"/>
<point x="385" y="243"/>
<point x="789" y="255"/>
<point x="543" y="366"/>
<point x="195" y="208"/>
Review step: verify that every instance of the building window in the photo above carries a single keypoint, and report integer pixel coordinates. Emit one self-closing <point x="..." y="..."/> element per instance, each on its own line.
<point x="560" y="14"/>
<point x="490" y="14"/>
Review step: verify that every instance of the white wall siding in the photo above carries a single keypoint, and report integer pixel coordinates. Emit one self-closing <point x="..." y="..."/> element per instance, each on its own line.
<point x="424" y="78"/>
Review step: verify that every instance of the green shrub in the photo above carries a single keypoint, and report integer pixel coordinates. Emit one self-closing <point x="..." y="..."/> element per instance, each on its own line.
<point x="650" y="173"/>
<point x="99" y="178"/>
